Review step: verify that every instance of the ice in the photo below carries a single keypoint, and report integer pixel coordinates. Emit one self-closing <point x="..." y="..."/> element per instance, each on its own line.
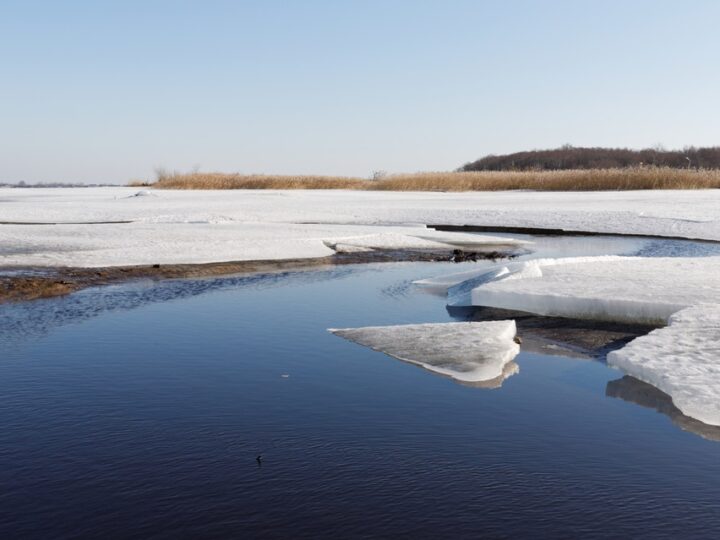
<point x="427" y="240"/>
<point x="458" y="285"/>
<point x="624" y="289"/>
<point x="682" y="360"/>
<point x="470" y="352"/>
<point x="212" y="226"/>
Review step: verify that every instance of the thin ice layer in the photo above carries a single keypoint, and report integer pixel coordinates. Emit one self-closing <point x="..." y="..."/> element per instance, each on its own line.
<point x="466" y="351"/>
<point x="625" y="289"/>
<point x="682" y="360"/>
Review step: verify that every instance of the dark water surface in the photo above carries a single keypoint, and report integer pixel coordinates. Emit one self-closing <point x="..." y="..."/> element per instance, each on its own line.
<point x="138" y="411"/>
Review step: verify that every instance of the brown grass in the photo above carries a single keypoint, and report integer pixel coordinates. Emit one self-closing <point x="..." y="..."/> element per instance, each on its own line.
<point x="197" y="180"/>
<point x="636" y="178"/>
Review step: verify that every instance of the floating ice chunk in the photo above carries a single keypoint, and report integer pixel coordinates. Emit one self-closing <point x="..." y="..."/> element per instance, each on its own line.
<point x="682" y="360"/>
<point x="626" y="289"/>
<point x="466" y="351"/>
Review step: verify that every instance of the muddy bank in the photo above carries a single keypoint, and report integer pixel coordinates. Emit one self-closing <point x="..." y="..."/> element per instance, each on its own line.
<point x="30" y="283"/>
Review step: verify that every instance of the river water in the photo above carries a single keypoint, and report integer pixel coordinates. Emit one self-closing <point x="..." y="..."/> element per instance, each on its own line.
<point x="139" y="410"/>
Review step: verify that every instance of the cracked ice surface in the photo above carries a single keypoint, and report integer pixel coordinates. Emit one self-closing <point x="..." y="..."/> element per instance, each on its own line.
<point x="466" y="351"/>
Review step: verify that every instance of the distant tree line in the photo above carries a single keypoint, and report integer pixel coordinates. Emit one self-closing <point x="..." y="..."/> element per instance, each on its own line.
<point x="571" y="157"/>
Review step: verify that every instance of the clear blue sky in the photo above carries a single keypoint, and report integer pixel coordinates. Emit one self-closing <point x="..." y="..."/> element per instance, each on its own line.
<point x="101" y="91"/>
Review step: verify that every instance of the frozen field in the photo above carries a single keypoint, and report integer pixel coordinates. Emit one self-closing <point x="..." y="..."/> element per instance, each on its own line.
<point x="164" y="227"/>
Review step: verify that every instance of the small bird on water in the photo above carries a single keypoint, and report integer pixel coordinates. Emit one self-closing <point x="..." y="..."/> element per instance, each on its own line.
<point x="259" y="460"/>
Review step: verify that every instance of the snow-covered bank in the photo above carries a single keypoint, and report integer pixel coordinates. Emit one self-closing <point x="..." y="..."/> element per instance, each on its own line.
<point x="468" y="352"/>
<point x="212" y="226"/>
<point x="682" y="360"/>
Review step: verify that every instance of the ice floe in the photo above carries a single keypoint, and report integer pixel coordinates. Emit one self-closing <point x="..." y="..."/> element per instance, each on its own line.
<point x="681" y="359"/>
<point x="470" y="352"/>
<point x="625" y="289"/>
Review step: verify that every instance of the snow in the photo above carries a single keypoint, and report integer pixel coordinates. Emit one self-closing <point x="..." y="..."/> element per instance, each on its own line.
<point x="682" y="360"/>
<point x="176" y="226"/>
<point x="467" y="351"/>
<point x="171" y="240"/>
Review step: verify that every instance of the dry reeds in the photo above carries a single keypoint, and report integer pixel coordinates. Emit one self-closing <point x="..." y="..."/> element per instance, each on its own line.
<point x="198" y="180"/>
<point x="635" y="178"/>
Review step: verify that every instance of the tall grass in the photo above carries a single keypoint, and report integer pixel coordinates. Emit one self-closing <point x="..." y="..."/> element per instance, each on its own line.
<point x="635" y="178"/>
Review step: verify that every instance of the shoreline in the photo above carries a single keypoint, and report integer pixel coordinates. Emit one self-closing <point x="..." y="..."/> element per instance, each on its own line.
<point x="34" y="283"/>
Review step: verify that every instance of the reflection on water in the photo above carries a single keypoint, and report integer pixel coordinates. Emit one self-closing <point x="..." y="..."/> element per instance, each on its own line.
<point x="640" y="393"/>
<point x="26" y="320"/>
<point x="509" y="369"/>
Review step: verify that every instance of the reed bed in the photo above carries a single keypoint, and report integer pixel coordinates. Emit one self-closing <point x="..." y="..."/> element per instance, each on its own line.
<point x="637" y="178"/>
<point x="197" y="180"/>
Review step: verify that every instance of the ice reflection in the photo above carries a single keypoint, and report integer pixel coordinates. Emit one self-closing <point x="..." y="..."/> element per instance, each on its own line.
<point x="635" y="391"/>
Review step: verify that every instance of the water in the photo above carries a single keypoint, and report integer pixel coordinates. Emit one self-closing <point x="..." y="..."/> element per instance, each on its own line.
<point x="139" y="410"/>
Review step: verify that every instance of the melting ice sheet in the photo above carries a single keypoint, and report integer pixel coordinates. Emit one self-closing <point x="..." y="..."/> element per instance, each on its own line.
<point x="682" y="360"/>
<point x="470" y="352"/>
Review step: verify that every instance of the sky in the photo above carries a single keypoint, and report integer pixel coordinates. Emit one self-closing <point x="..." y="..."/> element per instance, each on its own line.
<point x="109" y="91"/>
